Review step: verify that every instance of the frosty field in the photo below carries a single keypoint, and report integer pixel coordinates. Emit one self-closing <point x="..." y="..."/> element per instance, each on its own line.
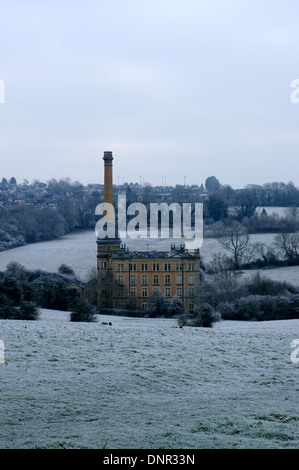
<point x="143" y="383"/>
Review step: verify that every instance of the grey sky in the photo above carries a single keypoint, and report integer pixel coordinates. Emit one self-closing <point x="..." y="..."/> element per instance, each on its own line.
<point x="173" y="87"/>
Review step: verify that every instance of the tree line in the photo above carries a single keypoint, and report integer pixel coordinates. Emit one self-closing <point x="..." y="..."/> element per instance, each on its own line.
<point x="222" y="294"/>
<point x="235" y="239"/>
<point x="71" y="209"/>
<point x="67" y="206"/>
<point x="23" y="293"/>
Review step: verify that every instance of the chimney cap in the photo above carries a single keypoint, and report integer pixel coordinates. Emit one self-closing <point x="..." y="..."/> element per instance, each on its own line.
<point x="108" y="155"/>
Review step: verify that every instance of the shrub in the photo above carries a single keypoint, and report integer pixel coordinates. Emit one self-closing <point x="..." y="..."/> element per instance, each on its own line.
<point x="205" y="316"/>
<point x="8" y="312"/>
<point x="175" y="307"/>
<point x="262" y="308"/>
<point x="158" y="304"/>
<point x="11" y="288"/>
<point x="66" y="270"/>
<point x="28" y="311"/>
<point x="50" y="291"/>
<point x="83" y="312"/>
<point x="25" y="311"/>
<point x="182" y="320"/>
<point x="260" y="285"/>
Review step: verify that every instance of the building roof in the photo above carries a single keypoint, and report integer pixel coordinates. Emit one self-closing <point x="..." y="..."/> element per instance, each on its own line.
<point x="159" y="254"/>
<point x="80" y="283"/>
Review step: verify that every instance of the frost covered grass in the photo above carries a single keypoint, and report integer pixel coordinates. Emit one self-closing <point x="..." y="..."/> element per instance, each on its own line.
<point x="144" y="383"/>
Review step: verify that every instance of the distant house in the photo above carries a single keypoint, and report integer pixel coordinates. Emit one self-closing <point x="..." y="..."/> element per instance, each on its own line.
<point x="232" y="211"/>
<point x="87" y="290"/>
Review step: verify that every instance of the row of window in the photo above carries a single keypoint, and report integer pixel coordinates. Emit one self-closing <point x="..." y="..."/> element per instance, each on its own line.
<point x="155" y="266"/>
<point x="144" y="279"/>
<point x="167" y="292"/>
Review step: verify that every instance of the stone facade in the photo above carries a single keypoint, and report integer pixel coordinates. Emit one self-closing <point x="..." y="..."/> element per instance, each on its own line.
<point x="129" y="278"/>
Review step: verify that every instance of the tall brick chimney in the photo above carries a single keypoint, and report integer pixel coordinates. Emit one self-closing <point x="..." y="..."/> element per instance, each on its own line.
<point x="110" y="243"/>
<point x="108" y="177"/>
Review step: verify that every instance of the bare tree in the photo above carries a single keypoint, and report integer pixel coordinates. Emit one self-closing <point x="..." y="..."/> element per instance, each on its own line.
<point x="292" y="213"/>
<point x="235" y="240"/>
<point x="264" y="252"/>
<point x="224" y="279"/>
<point x="92" y="274"/>
<point x="158" y="304"/>
<point x="288" y="245"/>
<point x="220" y="263"/>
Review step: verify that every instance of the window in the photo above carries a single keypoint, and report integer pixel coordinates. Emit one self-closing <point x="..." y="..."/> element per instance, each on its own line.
<point x="191" y="279"/>
<point x="191" y="266"/>
<point x="144" y="267"/>
<point x="156" y="279"/>
<point x="179" y="291"/>
<point x="104" y="279"/>
<point x="167" y="291"/>
<point x="144" y="292"/>
<point x="133" y="292"/>
<point x="121" y="280"/>
<point x="191" y="305"/>
<point x="133" y="280"/>
<point x="167" y="267"/>
<point x="156" y="267"/>
<point x="104" y="264"/>
<point x="144" y="305"/>
<point x="144" y="279"/>
<point x="191" y="291"/>
<point x="167" y="279"/>
<point x="132" y="267"/>
<point x="179" y="267"/>
<point x="179" y="279"/>
<point x="120" y="267"/>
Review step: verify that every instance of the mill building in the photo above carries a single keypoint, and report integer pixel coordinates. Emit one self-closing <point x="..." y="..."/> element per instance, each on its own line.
<point x="129" y="278"/>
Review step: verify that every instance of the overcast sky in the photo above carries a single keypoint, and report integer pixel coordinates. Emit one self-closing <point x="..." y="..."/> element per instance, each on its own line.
<point x="174" y="88"/>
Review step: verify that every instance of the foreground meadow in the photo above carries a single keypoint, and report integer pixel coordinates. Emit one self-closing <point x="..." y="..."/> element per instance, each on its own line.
<point x="144" y="383"/>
